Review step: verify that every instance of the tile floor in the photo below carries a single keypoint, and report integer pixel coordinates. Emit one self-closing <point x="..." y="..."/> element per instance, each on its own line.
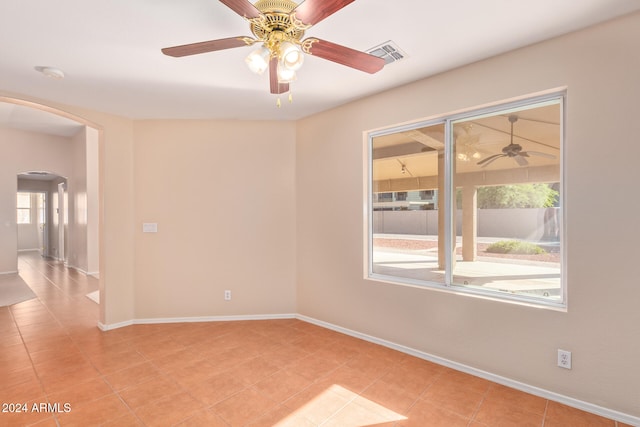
<point x="251" y="373"/>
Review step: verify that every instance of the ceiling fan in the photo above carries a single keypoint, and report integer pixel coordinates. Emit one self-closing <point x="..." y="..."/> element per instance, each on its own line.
<point x="514" y="151"/>
<point x="279" y="25"/>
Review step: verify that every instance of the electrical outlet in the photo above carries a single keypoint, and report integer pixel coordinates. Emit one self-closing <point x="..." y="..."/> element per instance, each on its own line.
<point x="564" y="359"/>
<point x="227" y="295"/>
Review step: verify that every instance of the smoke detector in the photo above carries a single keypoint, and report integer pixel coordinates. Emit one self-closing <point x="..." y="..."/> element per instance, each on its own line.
<point x="51" y="72"/>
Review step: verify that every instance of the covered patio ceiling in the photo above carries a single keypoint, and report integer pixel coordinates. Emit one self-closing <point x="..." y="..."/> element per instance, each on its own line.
<point x="408" y="160"/>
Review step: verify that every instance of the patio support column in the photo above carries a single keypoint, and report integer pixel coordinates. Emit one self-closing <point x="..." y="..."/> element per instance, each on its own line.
<point x="442" y="211"/>
<point x="469" y="223"/>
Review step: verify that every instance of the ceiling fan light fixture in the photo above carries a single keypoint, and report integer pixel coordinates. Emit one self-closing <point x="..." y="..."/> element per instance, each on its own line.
<point x="291" y="56"/>
<point x="285" y="75"/>
<point x="280" y="25"/>
<point x="258" y="60"/>
<point x="468" y="154"/>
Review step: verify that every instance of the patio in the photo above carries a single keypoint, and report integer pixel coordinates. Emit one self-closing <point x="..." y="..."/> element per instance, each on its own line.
<point x="416" y="258"/>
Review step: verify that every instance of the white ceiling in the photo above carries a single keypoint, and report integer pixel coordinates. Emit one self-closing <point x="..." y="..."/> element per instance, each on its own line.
<point x="110" y="51"/>
<point x="33" y="120"/>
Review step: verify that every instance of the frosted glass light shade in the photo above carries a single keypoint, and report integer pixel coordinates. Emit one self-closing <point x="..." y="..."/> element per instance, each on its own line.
<point x="258" y="60"/>
<point x="291" y="56"/>
<point x="285" y="75"/>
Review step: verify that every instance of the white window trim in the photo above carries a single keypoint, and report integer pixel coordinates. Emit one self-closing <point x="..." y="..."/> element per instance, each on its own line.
<point x="448" y="120"/>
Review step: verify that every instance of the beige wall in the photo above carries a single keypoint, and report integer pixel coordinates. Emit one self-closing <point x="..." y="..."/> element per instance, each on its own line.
<point x="77" y="256"/>
<point x="222" y="194"/>
<point x="83" y="203"/>
<point x="93" y="200"/>
<point x="600" y="68"/>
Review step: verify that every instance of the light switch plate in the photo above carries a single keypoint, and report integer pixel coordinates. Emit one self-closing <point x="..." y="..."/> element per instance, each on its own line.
<point x="150" y="227"/>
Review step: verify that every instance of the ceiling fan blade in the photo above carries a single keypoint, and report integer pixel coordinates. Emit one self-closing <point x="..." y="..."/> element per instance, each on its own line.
<point x="276" y="86"/>
<point x="311" y="12"/>
<point x="208" y="46"/>
<point x="490" y="159"/>
<point x="343" y="55"/>
<point x="539" y="154"/>
<point x="520" y="160"/>
<point x="242" y="8"/>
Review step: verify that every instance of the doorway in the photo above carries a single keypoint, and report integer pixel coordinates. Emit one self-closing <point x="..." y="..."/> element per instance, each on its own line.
<point x="42" y="206"/>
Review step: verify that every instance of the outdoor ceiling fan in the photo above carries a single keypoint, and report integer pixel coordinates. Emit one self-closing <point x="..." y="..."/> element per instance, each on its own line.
<point x="279" y="25"/>
<point x="514" y="151"/>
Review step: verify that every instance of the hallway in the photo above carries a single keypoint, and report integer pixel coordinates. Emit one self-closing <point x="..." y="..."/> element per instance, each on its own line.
<point x="63" y="371"/>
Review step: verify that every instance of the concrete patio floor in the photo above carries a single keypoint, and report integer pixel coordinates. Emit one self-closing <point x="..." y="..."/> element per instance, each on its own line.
<point x="502" y="274"/>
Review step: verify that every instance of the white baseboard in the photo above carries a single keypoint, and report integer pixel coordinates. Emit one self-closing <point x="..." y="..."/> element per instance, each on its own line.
<point x="95" y="274"/>
<point x="78" y="269"/>
<point x="111" y="326"/>
<point x="151" y="321"/>
<point x="8" y="272"/>
<point x="546" y="394"/>
<point x="214" y="318"/>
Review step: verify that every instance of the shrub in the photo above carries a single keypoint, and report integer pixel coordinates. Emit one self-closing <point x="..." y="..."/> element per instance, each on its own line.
<point x="515" y="247"/>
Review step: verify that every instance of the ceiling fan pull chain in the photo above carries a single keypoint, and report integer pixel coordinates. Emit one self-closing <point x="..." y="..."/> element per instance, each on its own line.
<point x="279" y="103"/>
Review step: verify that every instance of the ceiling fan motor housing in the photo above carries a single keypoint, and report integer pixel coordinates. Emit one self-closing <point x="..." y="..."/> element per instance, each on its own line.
<point x="512" y="150"/>
<point x="276" y="22"/>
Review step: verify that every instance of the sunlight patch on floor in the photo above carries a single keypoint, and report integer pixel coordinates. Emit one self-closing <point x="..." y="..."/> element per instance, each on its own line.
<point x="337" y="406"/>
<point x="94" y="296"/>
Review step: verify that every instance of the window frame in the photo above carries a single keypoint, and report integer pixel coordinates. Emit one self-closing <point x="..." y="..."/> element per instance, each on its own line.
<point x="530" y="102"/>
<point x="24" y="209"/>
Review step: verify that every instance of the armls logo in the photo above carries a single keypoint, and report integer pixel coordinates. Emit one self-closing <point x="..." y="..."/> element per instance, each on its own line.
<point x="36" y="407"/>
<point x="51" y="407"/>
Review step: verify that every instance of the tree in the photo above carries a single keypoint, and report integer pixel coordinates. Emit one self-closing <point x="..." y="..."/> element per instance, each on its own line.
<point x="517" y="196"/>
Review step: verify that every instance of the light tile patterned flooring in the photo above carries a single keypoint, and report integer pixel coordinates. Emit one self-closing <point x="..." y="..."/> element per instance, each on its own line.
<point x="285" y="373"/>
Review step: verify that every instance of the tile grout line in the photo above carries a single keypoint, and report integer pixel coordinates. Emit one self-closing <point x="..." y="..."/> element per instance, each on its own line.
<point x="544" y="415"/>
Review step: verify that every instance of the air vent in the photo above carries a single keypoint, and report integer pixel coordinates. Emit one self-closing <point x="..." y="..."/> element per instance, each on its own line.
<point x="388" y="51"/>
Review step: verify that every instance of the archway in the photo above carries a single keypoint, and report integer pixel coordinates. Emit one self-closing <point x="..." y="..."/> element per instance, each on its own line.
<point x="47" y="145"/>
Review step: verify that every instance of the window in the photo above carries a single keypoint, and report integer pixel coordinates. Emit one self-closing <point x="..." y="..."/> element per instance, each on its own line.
<point x="481" y="211"/>
<point x="24" y="208"/>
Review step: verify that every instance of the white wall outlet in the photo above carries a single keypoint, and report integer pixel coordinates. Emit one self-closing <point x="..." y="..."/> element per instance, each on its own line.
<point x="564" y="359"/>
<point x="227" y="295"/>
